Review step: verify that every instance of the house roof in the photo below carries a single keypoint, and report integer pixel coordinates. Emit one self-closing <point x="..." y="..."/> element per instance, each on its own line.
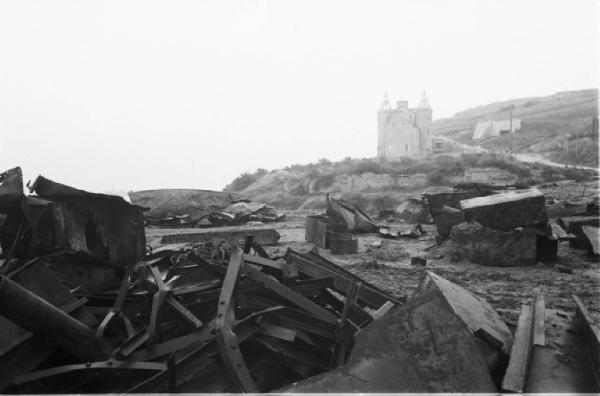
<point x="492" y="128"/>
<point x="483" y="129"/>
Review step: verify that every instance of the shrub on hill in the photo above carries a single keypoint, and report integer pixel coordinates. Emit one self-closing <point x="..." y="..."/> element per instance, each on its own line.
<point x="241" y="182"/>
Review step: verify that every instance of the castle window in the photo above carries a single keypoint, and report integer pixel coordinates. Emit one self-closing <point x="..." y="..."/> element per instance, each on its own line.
<point x="406" y="147"/>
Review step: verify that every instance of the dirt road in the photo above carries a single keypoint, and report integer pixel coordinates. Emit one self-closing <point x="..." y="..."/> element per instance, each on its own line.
<point x="523" y="157"/>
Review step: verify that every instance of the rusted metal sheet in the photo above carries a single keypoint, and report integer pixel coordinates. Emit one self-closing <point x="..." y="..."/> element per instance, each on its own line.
<point x="316" y="230"/>
<point x="474" y="311"/>
<point x="419" y="347"/>
<point x="590" y="331"/>
<point x="593" y="237"/>
<point x="104" y="226"/>
<point x="11" y="188"/>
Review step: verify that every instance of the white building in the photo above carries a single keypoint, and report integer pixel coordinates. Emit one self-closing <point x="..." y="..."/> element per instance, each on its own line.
<point x="487" y="129"/>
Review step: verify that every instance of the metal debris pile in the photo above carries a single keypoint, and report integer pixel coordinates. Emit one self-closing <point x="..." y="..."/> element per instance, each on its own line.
<point x="201" y="208"/>
<point x="333" y="230"/>
<point x="83" y="309"/>
<point x="502" y="228"/>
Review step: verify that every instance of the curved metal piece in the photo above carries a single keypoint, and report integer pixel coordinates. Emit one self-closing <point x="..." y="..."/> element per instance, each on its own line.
<point x="226" y="338"/>
<point x="100" y="330"/>
<point x="116" y="310"/>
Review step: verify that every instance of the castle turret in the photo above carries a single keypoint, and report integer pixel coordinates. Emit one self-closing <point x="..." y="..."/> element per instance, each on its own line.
<point x="424" y="103"/>
<point x="423" y="119"/>
<point x="385" y="105"/>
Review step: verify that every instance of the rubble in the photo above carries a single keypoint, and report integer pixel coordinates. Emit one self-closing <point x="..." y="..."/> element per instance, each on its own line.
<point x="414" y="211"/>
<point x="263" y="236"/>
<point x="165" y="205"/>
<point x="333" y="230"/>
<point x="352" y="217"/>
<point x="208" y="316"/>
<point x="574" y="224"/>
<point x="104" y="227"/>
<point x="395" y="232"/>
<point x="503" y="228"/>
<point x="567" y="208"/>
<point x="445" y="207"/>
<point x="319" y="230"/>
<point x="440" y="341"/>
<point x="201" y="208"/>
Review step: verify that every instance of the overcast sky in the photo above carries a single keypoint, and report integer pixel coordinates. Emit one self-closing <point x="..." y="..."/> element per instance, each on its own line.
<point x="135" y="95"/>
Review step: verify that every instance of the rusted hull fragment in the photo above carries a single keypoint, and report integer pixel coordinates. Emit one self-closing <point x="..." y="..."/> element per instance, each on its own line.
<point x="422" y="346"/>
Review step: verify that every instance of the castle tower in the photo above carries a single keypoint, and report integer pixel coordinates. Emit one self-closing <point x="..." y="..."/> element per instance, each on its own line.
<point x="423" y="121"/>
<point x="383" y="116"/>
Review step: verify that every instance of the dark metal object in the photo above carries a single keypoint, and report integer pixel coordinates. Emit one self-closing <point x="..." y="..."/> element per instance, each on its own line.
<point x="37" y="315"/>
<point x="505" y="211"/>
<point x="342" y="243"/>
<point x="264" y="236"/>
<point x="226" y="338"/>
<point x="591" y="335"/>
<point x="201" y="336"/>
<point x="78" y="377"/>
<point x="105" y="226"/>
<point x="316" y="230"/>
<point x="295" y="298"/>
<point x="421" y="346"/>
<point x="315" y="266"/>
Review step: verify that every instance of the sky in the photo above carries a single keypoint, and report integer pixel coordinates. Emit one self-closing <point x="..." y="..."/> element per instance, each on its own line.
<point x="133" y="95"/>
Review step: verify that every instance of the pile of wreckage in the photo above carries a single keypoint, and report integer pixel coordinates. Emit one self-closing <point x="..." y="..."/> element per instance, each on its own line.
<point x="84" y="309"/>
<point x="509" y="227"/>
<point x="201" y="208"/>
<point x="335" y="228"/>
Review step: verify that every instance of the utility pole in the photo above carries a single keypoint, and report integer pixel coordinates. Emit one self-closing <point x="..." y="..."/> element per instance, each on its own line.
<point x="510" y="132"/>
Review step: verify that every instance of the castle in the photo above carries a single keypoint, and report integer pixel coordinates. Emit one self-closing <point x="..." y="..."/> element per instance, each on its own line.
<point x="404" y="132"/>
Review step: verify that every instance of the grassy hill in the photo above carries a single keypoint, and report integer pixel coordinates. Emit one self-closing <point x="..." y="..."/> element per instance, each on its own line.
<point x="377" y="186"/>
<point x="558" y="126"/>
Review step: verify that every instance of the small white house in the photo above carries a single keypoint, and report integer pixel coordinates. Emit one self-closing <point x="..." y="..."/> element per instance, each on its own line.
<point x="487" y="129"/>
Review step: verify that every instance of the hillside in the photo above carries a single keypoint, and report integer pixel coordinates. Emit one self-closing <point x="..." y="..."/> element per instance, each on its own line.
<point x="378" y="186"/>
<point x="558" y="126"/>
